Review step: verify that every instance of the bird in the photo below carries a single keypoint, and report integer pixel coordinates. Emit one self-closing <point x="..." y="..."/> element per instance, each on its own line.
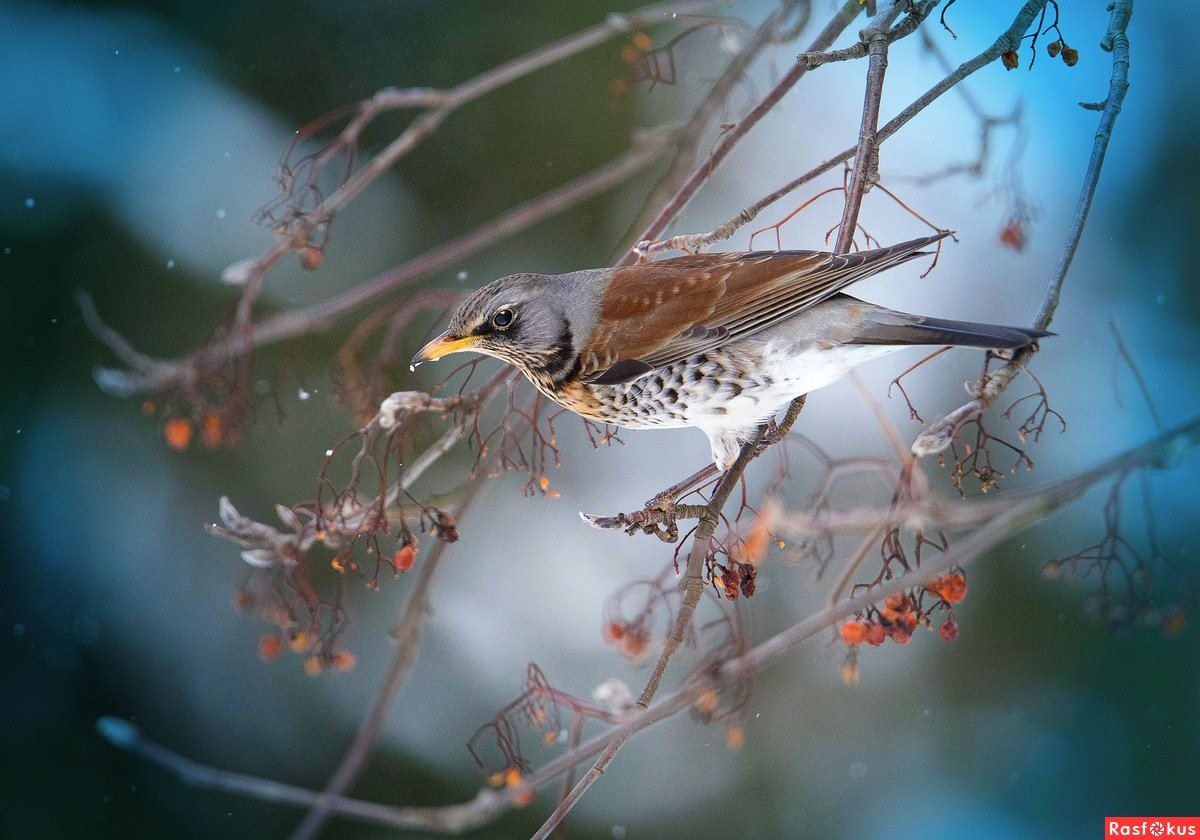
<point x="716" y="341"/>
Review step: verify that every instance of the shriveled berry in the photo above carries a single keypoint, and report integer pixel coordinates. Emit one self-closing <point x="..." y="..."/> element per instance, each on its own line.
<point x="876" y="634"/>
<point x="311" y="257"/>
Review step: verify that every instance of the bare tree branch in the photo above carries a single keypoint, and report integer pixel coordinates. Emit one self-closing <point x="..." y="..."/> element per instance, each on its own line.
<point x="148" y="375"/>
<point x="684" y="160"/>
<point x="1003" y="519"/>
<point x="1009" y="40"/>
<point x="866" y="156"/>
<point x="938" y="436"/>
<point x="407" y="637"/>
<point x="848" y="12"/>
<point x="440" y="105"/>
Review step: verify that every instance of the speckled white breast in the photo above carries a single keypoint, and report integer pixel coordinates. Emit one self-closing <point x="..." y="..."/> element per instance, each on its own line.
<point x="733" y="388"/>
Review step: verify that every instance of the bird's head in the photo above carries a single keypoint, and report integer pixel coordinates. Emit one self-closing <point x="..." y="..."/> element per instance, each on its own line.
<point x="523" y="319"/>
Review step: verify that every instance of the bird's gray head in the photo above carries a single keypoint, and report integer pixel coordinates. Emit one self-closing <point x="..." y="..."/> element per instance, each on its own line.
<point x="531" y="321"/>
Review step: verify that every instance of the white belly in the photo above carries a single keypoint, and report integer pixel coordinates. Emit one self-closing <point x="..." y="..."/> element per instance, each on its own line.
<point x="790" y="374"/>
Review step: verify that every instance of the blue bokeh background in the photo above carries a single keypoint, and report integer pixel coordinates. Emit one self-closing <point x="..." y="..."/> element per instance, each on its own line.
<point x="136" y="141"/>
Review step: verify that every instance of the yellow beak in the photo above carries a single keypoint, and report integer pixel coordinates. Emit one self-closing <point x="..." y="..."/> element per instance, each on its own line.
<point x="443" y="345"/>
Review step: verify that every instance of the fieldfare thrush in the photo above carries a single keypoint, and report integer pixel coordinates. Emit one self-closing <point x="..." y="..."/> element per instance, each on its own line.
<point x="719" y="341"/>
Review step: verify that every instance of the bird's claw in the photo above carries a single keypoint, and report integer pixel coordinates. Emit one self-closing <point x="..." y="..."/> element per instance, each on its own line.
<point x="658" y="518"/>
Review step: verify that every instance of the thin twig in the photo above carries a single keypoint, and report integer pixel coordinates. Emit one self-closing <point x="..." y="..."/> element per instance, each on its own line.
<point x="866" y="156"/>
<point x="937" y="437"/>
<point x="693" y="583"/>
<point x="906" y="27"/>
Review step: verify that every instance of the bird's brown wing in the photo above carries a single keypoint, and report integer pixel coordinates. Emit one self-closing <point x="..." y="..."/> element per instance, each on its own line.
<point x="656" y="314"/>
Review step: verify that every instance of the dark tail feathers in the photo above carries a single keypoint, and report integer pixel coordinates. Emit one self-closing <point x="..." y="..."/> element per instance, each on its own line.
<point x="899" y="328"/>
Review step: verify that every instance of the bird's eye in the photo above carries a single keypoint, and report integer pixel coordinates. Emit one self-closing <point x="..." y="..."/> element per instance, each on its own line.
<point x="503" y="318"/>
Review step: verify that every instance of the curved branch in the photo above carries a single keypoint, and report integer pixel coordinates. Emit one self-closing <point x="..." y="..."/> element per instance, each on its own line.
<point x="147" y="375"/>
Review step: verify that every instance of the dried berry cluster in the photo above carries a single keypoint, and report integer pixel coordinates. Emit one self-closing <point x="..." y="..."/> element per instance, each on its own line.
<point x="734" y="579"/>
<point x="902" y="613"/>
<point x="631" y="639"/>
<point x="1055" y="49"/>
<point x="306" y="626"/>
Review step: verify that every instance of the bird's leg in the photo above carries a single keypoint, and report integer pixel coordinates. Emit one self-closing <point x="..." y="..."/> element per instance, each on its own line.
<point x="659" y="516"/>
<point x="771" y="436"/>
<point x="677" y="491"/>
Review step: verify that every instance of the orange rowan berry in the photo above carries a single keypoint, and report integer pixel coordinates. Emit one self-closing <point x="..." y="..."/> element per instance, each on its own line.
<point x="311" y="257"/>
<point x="854" y="632"/>
<point x="735" y="738"/>
<point x="299" y="642"/>
<point x="1174" y="622"/>
<point x="404" y="558"/>
<point x="270" y="647"/>
<point x="1012" y="235"/>
<point x="635" y="644"/>
<point x="513" y="779"/>
<point x="707" y="702"/>
<point x="613" y="631"/>
<point x="178" y="433"/>
<point x="749" y="580"/>
<point x="210" y="430"/>
<point x="850" y="674"/>
<point x="755" y="546"/>
<point x="953" y="588"/>
<point x="875" y="634"/>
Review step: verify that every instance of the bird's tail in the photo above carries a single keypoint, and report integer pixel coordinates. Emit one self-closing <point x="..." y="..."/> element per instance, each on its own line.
<point x="886" y="326"/>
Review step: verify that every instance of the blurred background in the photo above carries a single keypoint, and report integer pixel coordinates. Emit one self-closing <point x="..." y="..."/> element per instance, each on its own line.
<point x="137" y="139"/>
